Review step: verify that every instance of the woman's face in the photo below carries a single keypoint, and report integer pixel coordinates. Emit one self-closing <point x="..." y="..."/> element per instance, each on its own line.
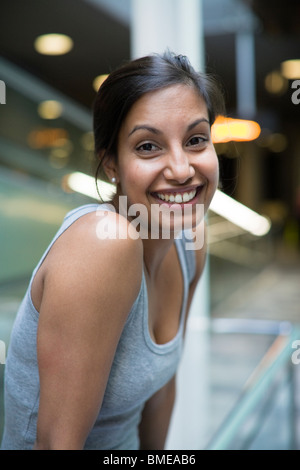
<point x="165" y="153"/>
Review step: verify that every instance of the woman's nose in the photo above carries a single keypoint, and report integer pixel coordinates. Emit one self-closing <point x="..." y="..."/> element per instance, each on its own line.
<point x="179" y="167"/>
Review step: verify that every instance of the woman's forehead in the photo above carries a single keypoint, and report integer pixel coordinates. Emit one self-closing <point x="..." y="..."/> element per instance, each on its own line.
<point x="179" y="99"/>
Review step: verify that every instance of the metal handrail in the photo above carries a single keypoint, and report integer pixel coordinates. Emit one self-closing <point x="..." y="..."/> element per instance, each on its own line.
<point x="277" y="356"/>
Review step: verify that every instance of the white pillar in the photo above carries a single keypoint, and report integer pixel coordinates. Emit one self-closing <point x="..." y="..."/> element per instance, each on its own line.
<point x="157" y="25"/>
<point x="245" y="74"/>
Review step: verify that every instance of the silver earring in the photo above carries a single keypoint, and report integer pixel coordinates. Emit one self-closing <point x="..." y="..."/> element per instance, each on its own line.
<point x="114" y="180"/>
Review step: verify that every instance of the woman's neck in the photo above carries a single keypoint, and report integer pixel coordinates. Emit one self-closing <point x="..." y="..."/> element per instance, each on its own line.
<point x="155" y="251"/>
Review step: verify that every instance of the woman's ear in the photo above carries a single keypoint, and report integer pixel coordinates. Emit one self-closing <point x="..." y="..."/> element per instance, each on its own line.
<point x="109" y="166"/>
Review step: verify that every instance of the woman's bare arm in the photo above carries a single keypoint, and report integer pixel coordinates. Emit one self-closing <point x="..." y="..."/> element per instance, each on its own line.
<point x="89" y="288"/>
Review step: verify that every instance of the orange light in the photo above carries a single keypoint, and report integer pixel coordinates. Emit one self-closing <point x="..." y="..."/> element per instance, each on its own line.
<point x="46" y="138"/>
<point x="237" y="130"/>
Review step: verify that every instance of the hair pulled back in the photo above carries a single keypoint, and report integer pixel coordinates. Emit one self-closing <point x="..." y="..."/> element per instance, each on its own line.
<point x="124" y="86"/>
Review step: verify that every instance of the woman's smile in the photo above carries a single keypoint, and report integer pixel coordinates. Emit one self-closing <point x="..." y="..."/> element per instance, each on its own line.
<point x="178" y="196"/>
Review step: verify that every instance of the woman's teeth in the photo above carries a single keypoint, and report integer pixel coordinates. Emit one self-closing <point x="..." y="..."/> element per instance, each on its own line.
<point x="178" y="198"/>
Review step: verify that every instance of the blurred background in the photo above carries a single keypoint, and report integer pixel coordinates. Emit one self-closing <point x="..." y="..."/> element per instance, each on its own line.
<point x="250" y="295"/>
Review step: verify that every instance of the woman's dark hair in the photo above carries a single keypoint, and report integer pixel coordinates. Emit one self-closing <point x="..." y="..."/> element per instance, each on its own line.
<point x="123" y="87"/>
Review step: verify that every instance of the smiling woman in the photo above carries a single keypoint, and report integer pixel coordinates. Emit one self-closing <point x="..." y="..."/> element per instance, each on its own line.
<point x="169" y="159"/>
<point x="97" y="340"/>
<point x="126" y="85"/>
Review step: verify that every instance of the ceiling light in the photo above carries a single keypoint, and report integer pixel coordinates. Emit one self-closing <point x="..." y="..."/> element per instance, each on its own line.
<point x="240" y="215"/>
<point x="237" y="130"/>
<point x="85" y="184"/>
<point x="97" y="82"/>
<point x="291" y="69"/>
<point x="275" y="83"/>
<point x="50" y="109"/>
<point x="53" y="44"/>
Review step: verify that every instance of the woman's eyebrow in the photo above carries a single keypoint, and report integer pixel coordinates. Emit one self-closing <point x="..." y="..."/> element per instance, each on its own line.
<point x="195" y="123"/>
<point x="157" y="131"/>
<point x="145" y="127"/>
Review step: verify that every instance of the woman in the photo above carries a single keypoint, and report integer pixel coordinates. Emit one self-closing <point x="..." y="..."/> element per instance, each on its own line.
<point x="97" y="340"/>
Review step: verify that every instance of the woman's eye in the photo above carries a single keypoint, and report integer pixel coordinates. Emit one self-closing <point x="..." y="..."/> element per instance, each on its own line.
<point x="197" y="140"/>
<point x="147" y="147"/>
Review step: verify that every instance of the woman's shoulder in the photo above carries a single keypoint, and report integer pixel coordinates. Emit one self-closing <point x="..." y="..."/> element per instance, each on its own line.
<point x="99" y="245"/>
<point x="102" y="228"/>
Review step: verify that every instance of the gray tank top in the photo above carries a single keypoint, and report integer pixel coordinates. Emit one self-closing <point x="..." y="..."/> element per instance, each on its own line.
<point x="140" y="367"/>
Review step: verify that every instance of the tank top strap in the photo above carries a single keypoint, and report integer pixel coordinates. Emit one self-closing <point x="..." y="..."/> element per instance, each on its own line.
<point x="186" y="252"/>
<point x="68" y="220"/>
